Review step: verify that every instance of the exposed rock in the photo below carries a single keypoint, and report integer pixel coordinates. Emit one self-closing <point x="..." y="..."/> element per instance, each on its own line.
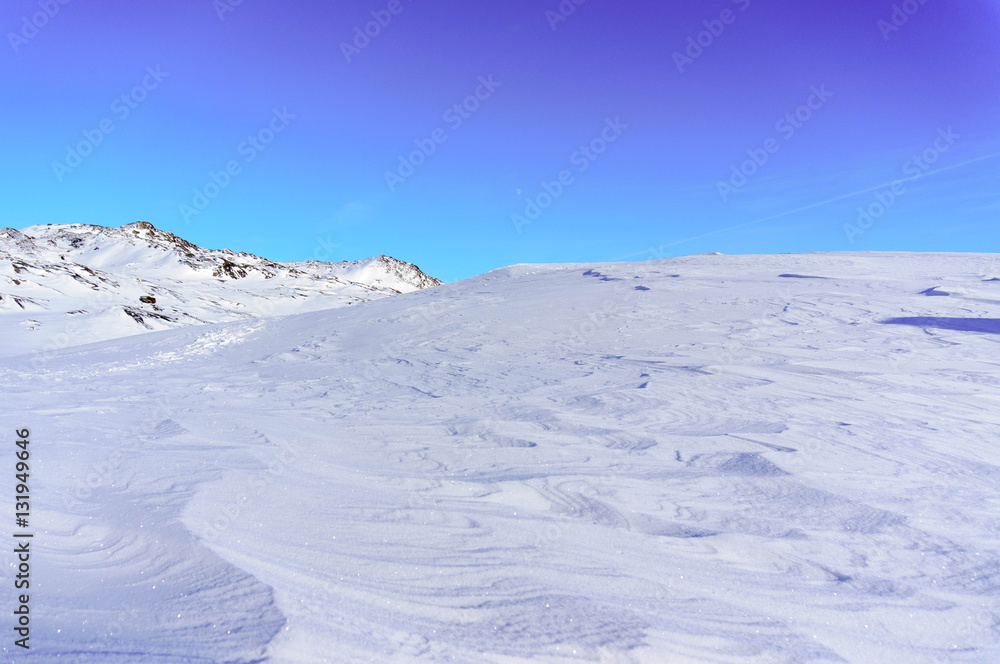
<point x="98" y="272"/>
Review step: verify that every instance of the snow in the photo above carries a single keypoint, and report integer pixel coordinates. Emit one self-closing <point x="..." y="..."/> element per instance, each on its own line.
<point x="543" y="463"/>
<point x="67" y="285"/>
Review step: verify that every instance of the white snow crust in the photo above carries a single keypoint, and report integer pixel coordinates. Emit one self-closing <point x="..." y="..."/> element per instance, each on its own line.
<point x="761" y="459"/>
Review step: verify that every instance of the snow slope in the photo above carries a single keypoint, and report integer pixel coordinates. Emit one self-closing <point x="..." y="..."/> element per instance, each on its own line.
<point x="66" y="285"/>
<point x="767" y="459"/>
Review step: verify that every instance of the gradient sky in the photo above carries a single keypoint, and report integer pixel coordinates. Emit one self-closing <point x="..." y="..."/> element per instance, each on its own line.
<point x="319" y="190"/>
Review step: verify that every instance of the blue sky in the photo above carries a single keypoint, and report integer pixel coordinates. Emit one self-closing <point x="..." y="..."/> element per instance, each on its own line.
<point x="773" y="134"/>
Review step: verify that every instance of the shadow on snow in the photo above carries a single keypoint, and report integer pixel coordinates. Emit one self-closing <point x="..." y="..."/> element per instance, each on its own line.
<point x="987" y="325"/>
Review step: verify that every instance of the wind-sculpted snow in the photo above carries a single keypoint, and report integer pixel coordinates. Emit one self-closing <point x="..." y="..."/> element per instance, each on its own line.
<point x="544" y="463"/>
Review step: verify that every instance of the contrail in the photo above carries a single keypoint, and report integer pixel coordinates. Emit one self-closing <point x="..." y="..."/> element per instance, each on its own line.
<point x="806" y="207"/>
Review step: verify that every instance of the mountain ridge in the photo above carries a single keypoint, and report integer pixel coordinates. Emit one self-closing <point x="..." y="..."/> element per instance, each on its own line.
<point x="78" y="283"/>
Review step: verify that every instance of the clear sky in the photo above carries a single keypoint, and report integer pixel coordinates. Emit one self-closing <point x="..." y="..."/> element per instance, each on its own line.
<point x="638" y="129"/>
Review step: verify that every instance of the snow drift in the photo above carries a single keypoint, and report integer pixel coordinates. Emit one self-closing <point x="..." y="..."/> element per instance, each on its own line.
<point x="704" y="459"/>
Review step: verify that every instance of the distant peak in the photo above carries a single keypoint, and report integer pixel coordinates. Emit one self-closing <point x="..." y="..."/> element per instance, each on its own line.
<point x="140" y="225"/>
<point x="76" y="243"/>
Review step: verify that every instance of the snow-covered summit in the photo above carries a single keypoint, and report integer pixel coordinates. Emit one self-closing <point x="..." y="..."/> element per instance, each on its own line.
<point x="76" y="283"/>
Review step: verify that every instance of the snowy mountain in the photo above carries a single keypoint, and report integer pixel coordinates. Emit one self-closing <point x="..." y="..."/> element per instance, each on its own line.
<point x="709" y="459"/>
<point x="64" y="285"/>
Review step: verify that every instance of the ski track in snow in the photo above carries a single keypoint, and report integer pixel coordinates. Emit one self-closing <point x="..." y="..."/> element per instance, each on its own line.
<point x="749" y="459"/>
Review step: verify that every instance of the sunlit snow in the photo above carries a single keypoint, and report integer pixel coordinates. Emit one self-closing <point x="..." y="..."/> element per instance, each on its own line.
<point x="769" y="459"/>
